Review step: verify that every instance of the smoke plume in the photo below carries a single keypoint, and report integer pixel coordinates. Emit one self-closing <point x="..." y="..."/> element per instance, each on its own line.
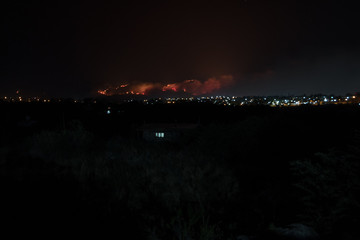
<point x="193" y="87"/>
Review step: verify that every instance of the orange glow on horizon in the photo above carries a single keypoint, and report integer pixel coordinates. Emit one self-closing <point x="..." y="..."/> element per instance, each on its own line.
<point x="192" y="86"/>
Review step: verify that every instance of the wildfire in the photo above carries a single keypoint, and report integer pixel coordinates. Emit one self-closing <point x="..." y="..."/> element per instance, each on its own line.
<point x="193" y="87"/>
<point x="171" y="87"/>
<point x="103" y="92"/>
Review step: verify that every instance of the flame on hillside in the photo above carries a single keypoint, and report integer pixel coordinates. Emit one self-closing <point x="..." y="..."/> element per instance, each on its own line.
<point x="193" y="87"/>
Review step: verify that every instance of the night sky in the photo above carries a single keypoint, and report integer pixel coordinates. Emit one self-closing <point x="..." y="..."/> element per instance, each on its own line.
<point x="72" y="49"/>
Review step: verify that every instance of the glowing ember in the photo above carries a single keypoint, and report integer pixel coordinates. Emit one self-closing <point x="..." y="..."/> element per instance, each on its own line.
<point x="103" y="92"/>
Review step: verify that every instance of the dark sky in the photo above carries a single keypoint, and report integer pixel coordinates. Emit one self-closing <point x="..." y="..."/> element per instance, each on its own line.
<point x="61" y="48"/>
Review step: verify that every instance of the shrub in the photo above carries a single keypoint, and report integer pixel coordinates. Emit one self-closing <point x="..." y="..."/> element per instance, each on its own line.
<point x="330" y="186"/>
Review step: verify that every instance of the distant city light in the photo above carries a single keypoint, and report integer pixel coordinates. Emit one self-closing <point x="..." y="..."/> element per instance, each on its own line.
<point x="272" y="101"/>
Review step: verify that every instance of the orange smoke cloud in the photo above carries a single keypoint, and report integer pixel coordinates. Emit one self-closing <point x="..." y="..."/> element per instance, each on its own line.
<point x="145" y="88"/>
<point x="193" y="87"/>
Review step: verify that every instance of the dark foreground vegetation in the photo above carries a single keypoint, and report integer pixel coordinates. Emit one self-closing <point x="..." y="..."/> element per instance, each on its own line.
<point x="243" y="173"/>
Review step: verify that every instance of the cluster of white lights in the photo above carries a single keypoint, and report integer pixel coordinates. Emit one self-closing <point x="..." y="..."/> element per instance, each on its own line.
<point x="159" y="134"/>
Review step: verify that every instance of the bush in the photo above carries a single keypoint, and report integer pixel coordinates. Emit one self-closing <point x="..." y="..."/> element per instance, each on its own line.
<point x="67" y="147"/>
<point x="330" y="186"/>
